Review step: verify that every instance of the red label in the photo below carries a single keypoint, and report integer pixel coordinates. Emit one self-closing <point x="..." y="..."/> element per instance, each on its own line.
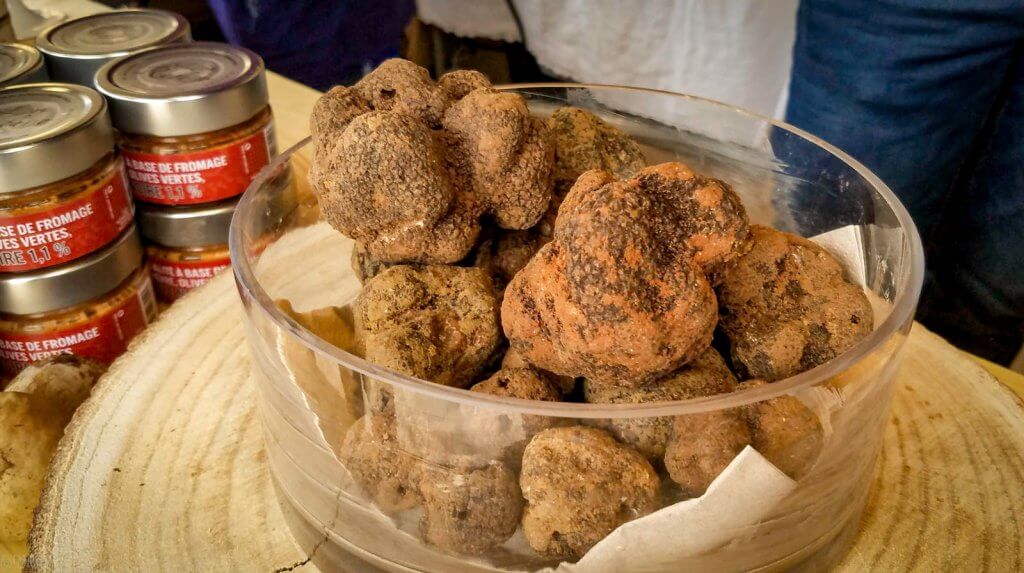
<point x="65" y="231"/>
<point x="199" y="176"/>
<point x="172" y="279"/>
<point x="103" y="337"/>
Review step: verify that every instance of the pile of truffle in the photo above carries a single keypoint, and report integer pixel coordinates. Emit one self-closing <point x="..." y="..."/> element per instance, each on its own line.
<point x="542" y="259"/>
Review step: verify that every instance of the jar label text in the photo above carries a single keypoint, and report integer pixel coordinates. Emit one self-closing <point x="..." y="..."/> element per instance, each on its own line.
<point x="199" y="176"/>
<point x="34" y="238"/>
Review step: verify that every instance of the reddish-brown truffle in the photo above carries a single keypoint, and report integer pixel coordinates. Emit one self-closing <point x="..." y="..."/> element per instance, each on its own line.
<point x="504" y="152"/>
<point x="437" y="322"/>
<point x="620" y="296"/>
<point x="580" y="484"/>
<point x="469" y="507"/>
<point x="706" y="375"/>
<point x="786" y="307"/>
<point x="786" y="432"/>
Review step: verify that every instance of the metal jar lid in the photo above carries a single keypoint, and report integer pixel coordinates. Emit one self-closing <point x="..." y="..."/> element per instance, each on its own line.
<point x="187" y="227"/>
<point x="75" y="49"/>
<point x="50" y="132"/>
<point x="184" y="89"/>
<point x="73" y="283"/>
<point x="20" y="64"/>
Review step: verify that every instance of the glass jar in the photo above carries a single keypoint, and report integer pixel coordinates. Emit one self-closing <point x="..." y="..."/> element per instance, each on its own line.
<point x="754" y="517"/>
<point x="195" y="121"/>
<point x="63" y="192"/>
<point x="20" y="64"/>
<point x="75" y="49"/>
<point x="92" y="307"/>
<point x="187" y="246"/>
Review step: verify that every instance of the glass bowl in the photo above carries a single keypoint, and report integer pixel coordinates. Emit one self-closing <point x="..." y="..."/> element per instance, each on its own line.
<point x="311" y="392"/>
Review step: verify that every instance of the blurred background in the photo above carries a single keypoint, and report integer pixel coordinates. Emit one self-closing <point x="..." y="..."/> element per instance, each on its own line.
<point x="929" y="94"/>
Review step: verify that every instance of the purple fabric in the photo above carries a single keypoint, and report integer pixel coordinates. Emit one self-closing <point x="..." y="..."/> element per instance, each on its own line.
<point x="320" y="43"/>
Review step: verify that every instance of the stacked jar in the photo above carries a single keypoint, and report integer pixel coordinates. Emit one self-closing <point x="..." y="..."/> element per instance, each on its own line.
<point x="196" y="128"/>
<point x="20" y="64"/>
<point x="76" y="49"/>
<point x="72" y="277"/>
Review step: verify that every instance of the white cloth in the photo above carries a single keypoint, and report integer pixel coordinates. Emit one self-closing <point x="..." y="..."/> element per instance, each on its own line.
<point x="735" y="51"/>
<point x="489" y="19"/>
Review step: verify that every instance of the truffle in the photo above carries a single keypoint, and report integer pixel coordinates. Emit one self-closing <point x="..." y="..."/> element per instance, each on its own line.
<point x="564" y="384"/>
<point x="583" y="142"/>
<point x="504" y="152"/>
<point x="386" y="176"/>
<point x="785" y="432"/>
<point x="377" y="462"/>
<point x="703" y="445"/>
<point x="706" y="375"/>
<point x="384" y="183"/>
<point x="458" y="83"/>
<point x="505" y="254"/>
<point x="436" y="322"/>
<point x="620" y="296"/>
<point x="400" y="86"/>
<point x="469" y="507"/>
<point x="580" y="484"/>
<point x="332" y="113"/>
<point x="786" y="307"/>
<point x="523" y="383"/>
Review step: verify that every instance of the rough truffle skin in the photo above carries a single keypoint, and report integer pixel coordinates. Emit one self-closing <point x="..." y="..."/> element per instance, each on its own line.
<point x="703" y="445"/>
<point x="513" y="359"/>
<point x="332" y="113"/>
<point x="580" y="484"/>
<point x="435" y="322"/>
<point x="505" y="153"/>
<point x="384" y="184"/>
<point x="377" y="462"/>
<point x="402" y="87"/>
<point x="786" y="307"/>
<point x="469" y="507"/>
<point x="615" y="297"/>
<point x="457" y="84"/>
<point x="706" y="375"/>
<point x="523" y="383"/>
<point x="505" y="254"/>
<point x="785" y="432"/>
<point x="583" y="141"/>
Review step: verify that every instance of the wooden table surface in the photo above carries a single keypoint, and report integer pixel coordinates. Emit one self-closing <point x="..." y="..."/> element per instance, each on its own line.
<point x="190" y="435"/>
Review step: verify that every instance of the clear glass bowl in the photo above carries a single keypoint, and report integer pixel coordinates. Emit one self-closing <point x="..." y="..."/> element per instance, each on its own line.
<point x="311" y="392"/>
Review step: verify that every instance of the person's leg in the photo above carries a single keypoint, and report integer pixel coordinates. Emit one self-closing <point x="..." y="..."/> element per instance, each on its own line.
<point x="907" y="87"/>
<point x="978" y="299"/>
<point x="903" y="86"/>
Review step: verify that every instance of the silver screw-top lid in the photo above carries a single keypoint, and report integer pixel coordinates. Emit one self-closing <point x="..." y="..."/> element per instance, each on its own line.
<point x="187" y="227"/>
<point x="20" y="64"/>
<point x="50" y="132"/>
<point x="72" y="283"/>
<point x="75" y="49"/>
<point x="184" y="89"/>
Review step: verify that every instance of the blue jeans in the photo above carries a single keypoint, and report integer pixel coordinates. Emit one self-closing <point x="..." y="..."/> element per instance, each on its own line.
<point x="929" y="94"/>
